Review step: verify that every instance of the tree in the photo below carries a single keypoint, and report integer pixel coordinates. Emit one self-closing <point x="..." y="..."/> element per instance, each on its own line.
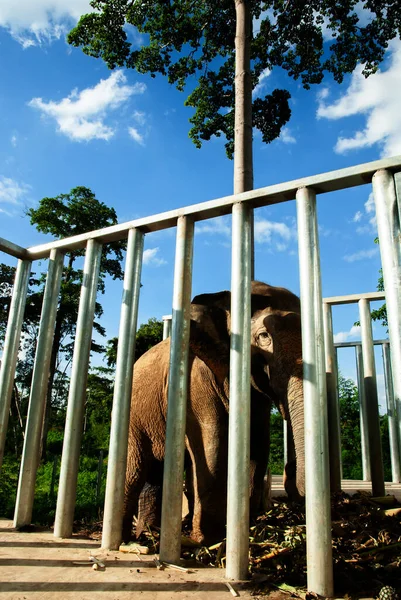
<point x="227" y="45"/>
<point x="148" y="335"/>
<point x="64" y="215"/>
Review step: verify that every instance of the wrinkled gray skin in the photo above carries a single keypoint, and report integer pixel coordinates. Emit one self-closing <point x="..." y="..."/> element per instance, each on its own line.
<point x="276" y="366"/>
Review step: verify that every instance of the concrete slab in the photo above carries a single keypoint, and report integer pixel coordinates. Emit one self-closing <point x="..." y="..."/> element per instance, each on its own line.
<point x="37" y="566"/>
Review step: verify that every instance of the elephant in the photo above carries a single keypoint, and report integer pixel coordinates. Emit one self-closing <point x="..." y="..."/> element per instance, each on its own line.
<point x="276" y="377"/>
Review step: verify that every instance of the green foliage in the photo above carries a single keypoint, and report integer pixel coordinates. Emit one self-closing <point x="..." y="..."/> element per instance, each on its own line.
<point x="192" y="41"/>
<point x="276" y="456"/>
<point x="148" y="335"/>
<point x="351" y="452"/>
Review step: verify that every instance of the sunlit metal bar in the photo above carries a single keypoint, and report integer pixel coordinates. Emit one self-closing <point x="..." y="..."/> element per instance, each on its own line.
<point x="170" y="536"/>
<point x="363" y="415"/>
<point x="318" y="517"/>
<point x="333" y="407"/>
<point x="117" y="463"/>
<point x="76" y="396"/>
<point x="37" y="398"/>
<point x="239" y="417"/>
<point x="354" y="298"/>
<point x="11" y="345"/>
<point x="354" y="344"/>
<point x="166" y="326"/>
<point x="395" y="447"/>
<point x="372" y="404"/>
<point x="274" y="194"/>
<point x="388" y="226"/>
<point x="13" y="249"/>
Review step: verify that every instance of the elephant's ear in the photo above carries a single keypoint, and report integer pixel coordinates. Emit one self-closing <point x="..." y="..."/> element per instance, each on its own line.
<point x="210" y="332"/>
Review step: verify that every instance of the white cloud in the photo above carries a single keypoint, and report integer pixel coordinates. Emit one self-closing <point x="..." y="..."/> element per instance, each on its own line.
<point x="138" y="137"/>
<point x="367" y="218"/>
<point x="261" y="83"/>
<point x="276" y="234"/>
<point x="344" y="336"/>
<point x="13" y="140"/>
<point x="217" y="226"/>
<point x="139" y="116"/>
<point x="286" y="137"/>
<point x="81" y="115"/>
<point x="357" y="216"/>
<point x="150" y="258"/>
<point x="34" y="22"/>
<point x="361" y="255"/>
<point x="11" y="192"/>
<point x="378" y="99"/>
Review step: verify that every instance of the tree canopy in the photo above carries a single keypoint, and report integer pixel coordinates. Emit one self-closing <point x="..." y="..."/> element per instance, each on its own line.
<point x="193" y="42"/>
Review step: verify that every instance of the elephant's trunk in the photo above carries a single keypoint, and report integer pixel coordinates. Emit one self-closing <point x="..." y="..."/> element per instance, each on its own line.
<point x="295" y="487"/>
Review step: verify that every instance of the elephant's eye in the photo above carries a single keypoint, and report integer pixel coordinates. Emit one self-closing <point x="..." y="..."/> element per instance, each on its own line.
<point x="264" y="337"/>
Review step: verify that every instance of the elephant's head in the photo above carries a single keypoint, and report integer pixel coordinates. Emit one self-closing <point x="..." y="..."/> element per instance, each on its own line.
<point x="276" y="355"/>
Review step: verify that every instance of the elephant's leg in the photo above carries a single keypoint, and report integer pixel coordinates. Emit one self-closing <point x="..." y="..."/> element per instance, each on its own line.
<point x="138" y="461"/>
<point x="208" y="448"/>
<point x="189" y="488"/>
<point x="260" y="447"/>
<point x="150" y="499"/>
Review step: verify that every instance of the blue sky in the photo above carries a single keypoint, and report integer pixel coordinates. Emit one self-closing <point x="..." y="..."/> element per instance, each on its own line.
<point x="65" y="120"/>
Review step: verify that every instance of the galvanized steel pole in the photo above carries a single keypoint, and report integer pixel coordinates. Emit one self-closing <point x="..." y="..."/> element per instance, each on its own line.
<point x="318" y="518"/>
<point x="11" y="345"/>
<point x="363" y="416"/>
<point x="395" y="446"/>
<point x="76" y="396"/>
<point x="388" y="226"/>
<point x="117" y="463"/>
<point x="332" y="401"/>
<point x="170" y="535"/>
<point x="372" y="404"/>
<point x="166" y="326"/>
<point x="240" y="401"/>
<point x="37" y="398"/>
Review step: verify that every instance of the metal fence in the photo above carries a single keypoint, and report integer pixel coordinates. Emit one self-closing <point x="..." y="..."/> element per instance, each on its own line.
<point x="320" y="575"/>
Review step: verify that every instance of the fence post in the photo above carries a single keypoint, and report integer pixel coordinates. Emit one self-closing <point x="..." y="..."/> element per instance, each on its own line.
<point x="170" y="535"/>
<point x="37" y="397"/>
<point x="388" y="203"/>
<point x="395" y="447"/>
<point x="318" y="517"/>
<point x="117" y="462"/>
<point x="372" y="404"/>
<point x="76" y="397"/>
<point x="240" y="400"/>
<point x="166" y="326"/>
<point x="332" y="401"/>
<point x="363" y="416"/>
<point x="11" y="346"/>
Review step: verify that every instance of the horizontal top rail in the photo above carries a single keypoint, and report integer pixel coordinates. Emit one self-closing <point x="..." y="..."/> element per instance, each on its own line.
<point x="13" y="249"/>
<point x="274" y="194"/>
<point x="352" y="344"/>
<point x="352" y="298"/>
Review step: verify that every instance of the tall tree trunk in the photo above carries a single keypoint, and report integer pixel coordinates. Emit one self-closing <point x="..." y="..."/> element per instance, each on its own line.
<point x="243" y="159"/>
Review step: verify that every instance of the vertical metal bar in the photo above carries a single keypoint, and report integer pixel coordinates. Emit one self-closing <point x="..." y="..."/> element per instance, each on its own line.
<point x="388" y="226"/>
<point x="395" y="447"/>
<point x="37" y="398"/>
<point x="239" y="417"/>
<point x="285" y="442"/>
<point x="363" y="416"/>
<point x="170" y="535"/>
<point x="166" y="326"/>
<point x="76" y="397"/>
<point x="372" y="404"/>
<point x="318" y="518"/>
<point x="117" y="463"/>
<point x="11" y="345"/>
<point x="333" y="407"/>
